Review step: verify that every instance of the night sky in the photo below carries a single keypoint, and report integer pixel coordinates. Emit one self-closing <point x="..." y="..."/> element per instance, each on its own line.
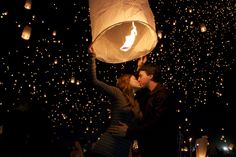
<point x="43" y="80"/>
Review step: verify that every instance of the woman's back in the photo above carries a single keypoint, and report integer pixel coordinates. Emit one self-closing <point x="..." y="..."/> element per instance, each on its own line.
<point x="108" y="144"/>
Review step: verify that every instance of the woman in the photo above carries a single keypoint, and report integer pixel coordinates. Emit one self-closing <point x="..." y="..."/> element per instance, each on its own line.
<point x="124" y="109"/>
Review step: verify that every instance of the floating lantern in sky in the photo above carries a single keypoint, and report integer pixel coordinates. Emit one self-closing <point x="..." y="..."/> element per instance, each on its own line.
<point x="159" y="34"/>
<point x="26" y="32"/>
<point x="122" y="30"/>
<point x="201" y="149"/>
<point x="54" y="33"/>
<point x="28" y="4"/>
<point x="203" y="28"/>
<point x="72" y="80"/>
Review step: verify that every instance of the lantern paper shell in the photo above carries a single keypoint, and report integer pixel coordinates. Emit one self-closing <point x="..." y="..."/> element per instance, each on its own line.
<point x="114" y="22"/>
<point x="26" y="32"/>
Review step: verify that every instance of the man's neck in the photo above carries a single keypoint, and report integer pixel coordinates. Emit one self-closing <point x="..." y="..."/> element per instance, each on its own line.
<point x="153" y="85"/>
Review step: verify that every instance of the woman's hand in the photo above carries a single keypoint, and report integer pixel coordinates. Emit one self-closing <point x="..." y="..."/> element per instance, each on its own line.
<point x="90" y="48"/>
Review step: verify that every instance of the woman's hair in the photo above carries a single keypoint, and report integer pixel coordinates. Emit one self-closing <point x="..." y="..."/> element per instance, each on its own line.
<point x="123" y="83"/>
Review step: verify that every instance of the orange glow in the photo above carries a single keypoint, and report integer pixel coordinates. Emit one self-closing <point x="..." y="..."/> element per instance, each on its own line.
<point x="28" y="4"/>
<point x="26" y="32"/>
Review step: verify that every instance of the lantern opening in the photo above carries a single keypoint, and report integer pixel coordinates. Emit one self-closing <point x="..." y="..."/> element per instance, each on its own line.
<point x="107" y="45"/>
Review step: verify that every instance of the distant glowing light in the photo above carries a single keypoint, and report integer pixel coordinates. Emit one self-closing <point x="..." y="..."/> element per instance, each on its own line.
<point x="55" y="61"/>
<point x="64" y="116"/>
<point x="77" y="82"/>
<point x="3" y="14"/>
<point x="225" y="148"/>
<point x="54" y="33"/>
<point x="159" y="34"/>
<point x="203" y="28"/>
<point x="129" y="40"/>
<point x="190" y="139"/>
<point x="26" y="32"/>
<point x="231" y="146"/>
<point x="184" y="149"/>
<point x="135" y="145"/>
<point x="72" y="80"/>
<point x="28" y="4"/>
<point x="63" y="82"/>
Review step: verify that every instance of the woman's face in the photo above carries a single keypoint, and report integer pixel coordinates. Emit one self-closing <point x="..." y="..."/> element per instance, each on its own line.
<point x="134" y="82"/>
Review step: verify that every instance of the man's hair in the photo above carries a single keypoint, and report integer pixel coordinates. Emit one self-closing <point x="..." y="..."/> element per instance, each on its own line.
<point x="151" y="69"/>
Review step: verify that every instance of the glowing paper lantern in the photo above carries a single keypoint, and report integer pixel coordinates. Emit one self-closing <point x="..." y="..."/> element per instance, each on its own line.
<point x="28" y="4"/>
<point x="54" y="33"/>
<point x="122" y="30"/>
<point x="203" y="28"/>
<point x="26" y="32"/>
<point x="201" y="146"/>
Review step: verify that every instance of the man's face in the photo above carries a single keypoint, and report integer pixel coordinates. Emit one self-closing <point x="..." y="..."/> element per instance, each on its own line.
<point x="144" y="79"/>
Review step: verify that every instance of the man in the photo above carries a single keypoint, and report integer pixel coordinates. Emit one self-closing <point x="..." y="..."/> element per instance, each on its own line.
<point x="156" y="133"/>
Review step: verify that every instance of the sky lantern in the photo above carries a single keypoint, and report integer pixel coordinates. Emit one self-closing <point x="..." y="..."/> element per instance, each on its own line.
<point x="54" y="33"/>
<point x="203" y="28"/>
<point x="26" y="32"/>
<point x="202" y="144"/>
<point x="122" y="30"/>
<point x="28" y="4"/>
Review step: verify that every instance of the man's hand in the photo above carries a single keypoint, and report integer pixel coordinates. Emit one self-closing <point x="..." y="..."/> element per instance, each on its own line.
<point x="119" y="129"/>
<point x="142" y="60"/>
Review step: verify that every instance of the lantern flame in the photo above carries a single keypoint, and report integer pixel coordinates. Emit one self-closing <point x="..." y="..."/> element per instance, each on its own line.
<point x="129" y="39"/>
